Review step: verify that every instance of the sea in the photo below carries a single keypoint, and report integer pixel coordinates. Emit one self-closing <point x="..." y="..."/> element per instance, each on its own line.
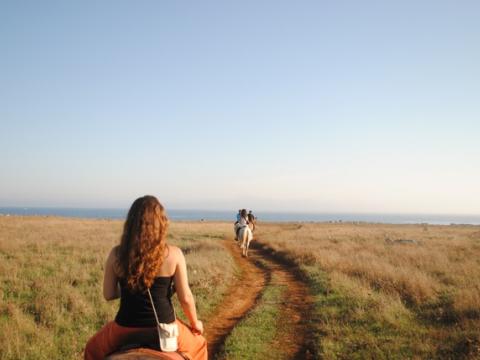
<point x="225" y="215"/>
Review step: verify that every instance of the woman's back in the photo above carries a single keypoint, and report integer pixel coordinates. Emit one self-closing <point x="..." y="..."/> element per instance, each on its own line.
<point x="135" y="306"/>
<point x="136" y="309"/>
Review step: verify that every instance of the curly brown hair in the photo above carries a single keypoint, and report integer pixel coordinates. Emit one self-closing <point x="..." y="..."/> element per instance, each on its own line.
<point x="143" y="243"/>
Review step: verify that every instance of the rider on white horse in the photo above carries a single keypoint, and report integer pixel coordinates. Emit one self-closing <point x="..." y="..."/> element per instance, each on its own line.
<point x="243" y="232"/>
<point x="241" y="222"/>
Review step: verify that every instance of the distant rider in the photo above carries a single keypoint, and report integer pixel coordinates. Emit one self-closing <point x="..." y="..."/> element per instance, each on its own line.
<point x="251" y="219"/>
<point x="242" y="222"/>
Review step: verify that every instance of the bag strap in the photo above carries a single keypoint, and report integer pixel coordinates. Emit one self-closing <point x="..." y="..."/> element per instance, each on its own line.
<point x="155" y="311"/>
<point x="156" y="318"/>
<point x="153" y="307"/>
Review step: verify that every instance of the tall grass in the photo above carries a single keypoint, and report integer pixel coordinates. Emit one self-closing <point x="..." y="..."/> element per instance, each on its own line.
<point x="374" y="298"/>
<point x="51" y="271"/>
<point x="380" y="299"/>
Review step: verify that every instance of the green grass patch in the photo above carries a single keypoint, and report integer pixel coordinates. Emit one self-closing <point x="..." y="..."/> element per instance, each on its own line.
<point x="252" y="337"/>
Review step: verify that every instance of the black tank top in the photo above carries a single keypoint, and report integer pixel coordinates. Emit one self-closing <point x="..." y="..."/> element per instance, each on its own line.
<point x="136" y="309"/>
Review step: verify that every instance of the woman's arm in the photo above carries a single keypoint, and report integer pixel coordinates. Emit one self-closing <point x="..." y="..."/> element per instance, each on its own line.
<point x="184" y="293"/>
<point x="111" y="289"/>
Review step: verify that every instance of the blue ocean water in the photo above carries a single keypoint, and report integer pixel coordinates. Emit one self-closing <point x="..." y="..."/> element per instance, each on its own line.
<point x="223" y="215"/>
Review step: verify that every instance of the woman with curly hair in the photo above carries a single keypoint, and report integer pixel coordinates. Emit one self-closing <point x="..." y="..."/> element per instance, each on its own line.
<point x="143" y="265"/>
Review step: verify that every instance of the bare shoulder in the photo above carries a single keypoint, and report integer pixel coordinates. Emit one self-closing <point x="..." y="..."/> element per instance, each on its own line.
<point x="175" y="251"/>
<point x="112" y="260"/>
<point x="114" y="253"/>
<point x="173" y="254"/>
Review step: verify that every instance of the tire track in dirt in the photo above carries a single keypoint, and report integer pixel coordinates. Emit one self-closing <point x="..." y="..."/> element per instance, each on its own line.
<point x="259" y="270"/>
<point x="242" y="295"/>
<point x="295" y="329"/>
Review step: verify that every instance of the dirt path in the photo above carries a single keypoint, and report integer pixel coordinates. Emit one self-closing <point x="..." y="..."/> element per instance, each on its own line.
<point x="297" y="303"/>
<point x="260" y="269"/>
<point x="242" y="296"/>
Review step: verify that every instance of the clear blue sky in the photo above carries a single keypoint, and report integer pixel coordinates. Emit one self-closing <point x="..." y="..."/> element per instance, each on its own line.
<point x="361" y="106"/>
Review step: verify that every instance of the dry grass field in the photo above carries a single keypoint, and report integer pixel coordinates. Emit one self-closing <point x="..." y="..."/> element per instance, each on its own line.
<point x="381" y="298"/>
<point x="51" y="271"/>
<point x="375" y="298"/>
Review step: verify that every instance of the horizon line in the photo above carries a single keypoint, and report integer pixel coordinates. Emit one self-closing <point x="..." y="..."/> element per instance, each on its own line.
<point x="312" y="212"/>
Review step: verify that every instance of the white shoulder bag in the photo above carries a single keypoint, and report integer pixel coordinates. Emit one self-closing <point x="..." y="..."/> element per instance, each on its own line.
<point x="167" y="333"/>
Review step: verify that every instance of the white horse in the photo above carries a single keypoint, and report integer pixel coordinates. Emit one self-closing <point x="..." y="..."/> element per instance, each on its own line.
<point x="245" y="235"/>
